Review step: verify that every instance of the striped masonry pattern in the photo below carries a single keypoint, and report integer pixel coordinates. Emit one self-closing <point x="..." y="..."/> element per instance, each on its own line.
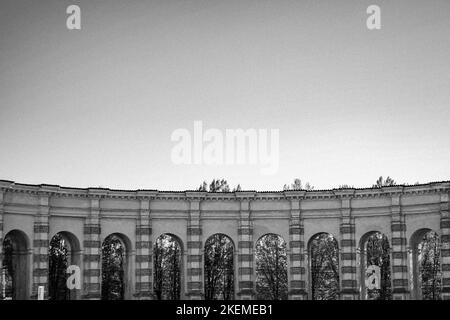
<point x="194" y="270"/>
<point x="445" y="250"/>
<point x="246" y="271"/>
<point x="1" y="234"/>
<point x="349" y="284"/>
<point x="399" y="258"/>
<point x="296" y="260"/>
<point x="144" y="263"/>
<point x="40" y="255"/>
<point x="92" y="254"/>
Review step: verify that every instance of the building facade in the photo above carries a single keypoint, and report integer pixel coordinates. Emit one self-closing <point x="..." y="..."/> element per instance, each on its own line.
<point x="32" y="214"/>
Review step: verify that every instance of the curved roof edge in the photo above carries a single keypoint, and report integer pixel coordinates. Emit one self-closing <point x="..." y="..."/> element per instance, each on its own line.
<point x="438" y="186"/>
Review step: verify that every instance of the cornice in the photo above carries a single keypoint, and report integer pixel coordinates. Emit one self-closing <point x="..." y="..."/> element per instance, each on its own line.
<point x="294" y="194"/>
<point x="7" y="186"/>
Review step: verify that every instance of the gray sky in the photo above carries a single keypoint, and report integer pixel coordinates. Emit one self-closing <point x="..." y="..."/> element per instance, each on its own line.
<point x="96" y="107"/>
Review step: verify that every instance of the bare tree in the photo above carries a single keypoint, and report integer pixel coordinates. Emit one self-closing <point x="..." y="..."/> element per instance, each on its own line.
<point x="167" y="265"/>
<point x="271" y="268"/>
<point x="384" y="182"/>
<point x="57" y="269"/>
<point x="217" y="185"/>
<point x="238" y="188"/>
<point x="219" y="276"/>
<point x="324" y="267"/>
<point x="378" y="254"/>
<point x="429" y="254"/>
<point x="112" y="269"/>
<point x="297" y="185"/>
<point x="10" y="283"/>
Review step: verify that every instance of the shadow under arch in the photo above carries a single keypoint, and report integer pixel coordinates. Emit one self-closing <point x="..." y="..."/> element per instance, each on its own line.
<point x="323" y="265"/>
<point x="64" y="251"/>
<point x="168" y="278"/>
<point x="271" y="267"/>
<point x="425" y="244"/>
<point x="219" y="277"/>
<point x="116" y="267"/>
<point x="374" y="249"/>
<point x="16" y="263"/>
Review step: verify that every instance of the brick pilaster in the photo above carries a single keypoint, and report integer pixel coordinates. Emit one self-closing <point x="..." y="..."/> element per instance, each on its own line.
<point x="1" y="241"/>
<point x="399" y="253"/>
<point x="349" y="289"/>
<point x="348" y="274"/>
<point x="92" y="250"/>
<point x="296" y="257"/>
<point x="445" y="246"/>
<point x="144" y="251"/>
<point x="246" y="271"/>
<point x="245" y="265"/>
<point x="194" y="266"/>
<point x="40" y="246"/>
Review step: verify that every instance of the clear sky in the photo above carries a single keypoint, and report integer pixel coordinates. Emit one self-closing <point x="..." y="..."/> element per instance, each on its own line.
<point x="97" y="106"/>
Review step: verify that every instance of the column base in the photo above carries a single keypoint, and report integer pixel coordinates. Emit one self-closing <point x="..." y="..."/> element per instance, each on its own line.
<point x="195" y="295"/>
<point x="445" y="293"/>
<point x="246" y="294"/>
<point x="297" y="294"/>
<point x="400" y="294"/>
<point x="349" y="294"/>
<point x="92" y="296"/>
<point x="35" y="297"/>
<point x="146" y="295"/>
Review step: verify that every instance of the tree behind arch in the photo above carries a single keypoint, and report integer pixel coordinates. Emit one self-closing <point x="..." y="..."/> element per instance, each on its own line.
<point x="271" y="268"/>
<point x="429" y="255"/>
<point x="378" y="254"/>
<point x="219" y="275"/>
<point x="112" y="269"/>
<point x="8" y="267"/>
<point x="58" y="264"/>
<point x="324" y="267"/>
<point x="167" y="265"/>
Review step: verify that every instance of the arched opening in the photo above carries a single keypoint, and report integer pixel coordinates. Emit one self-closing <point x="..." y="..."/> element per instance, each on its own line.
<point x="64" y="251"/>
<point x="219" y="268"/>
<point x="271" y="268"/>
<point x="324" y="267"/>
<point x="15" y="266"/>
<point x="167" y="257"/>
<point x="375" y="267"/>
<point x="426" y="267"/>
<point x="115" y="252"/>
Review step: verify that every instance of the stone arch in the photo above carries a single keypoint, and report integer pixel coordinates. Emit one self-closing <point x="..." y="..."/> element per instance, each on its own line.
<point x="222" y="234"/>
<point x="116" y="267"/>
<point x="271" y="264"/>
<point x="16" y="264"/>
<point x="379" y="256"/>
<point x="323" y="263"/>
<point x="219" y="264"/>
<point x="68" y="252"/>
<point x="416" y="251"/>
<point x="165" y="269"/>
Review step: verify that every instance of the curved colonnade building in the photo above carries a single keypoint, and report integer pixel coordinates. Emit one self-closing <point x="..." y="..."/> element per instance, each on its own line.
<point x="30" y="215"/>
